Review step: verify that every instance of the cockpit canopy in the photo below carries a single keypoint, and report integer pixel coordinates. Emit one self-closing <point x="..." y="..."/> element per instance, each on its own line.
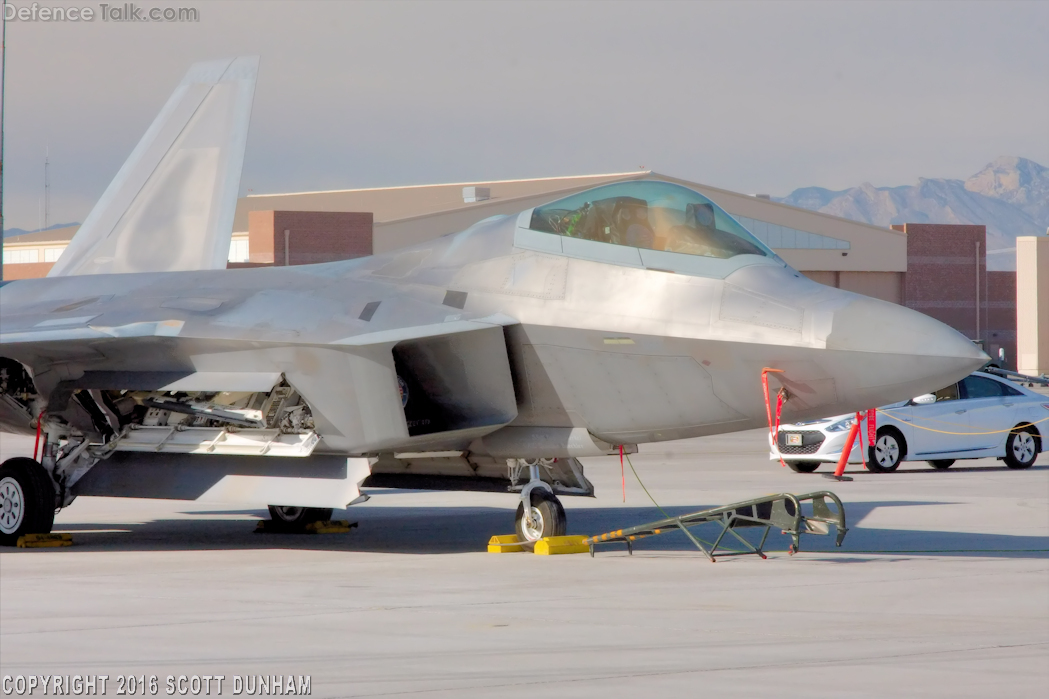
<point x="649" y="215"/>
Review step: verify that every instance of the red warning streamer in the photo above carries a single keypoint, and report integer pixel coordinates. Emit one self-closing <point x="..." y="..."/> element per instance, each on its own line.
<point x="36" y="444"/>
<point x="622" y="473"/>
<point x="773" y="430"/>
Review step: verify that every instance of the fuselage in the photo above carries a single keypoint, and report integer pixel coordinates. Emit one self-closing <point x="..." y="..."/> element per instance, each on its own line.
<point x="631" y="354"/>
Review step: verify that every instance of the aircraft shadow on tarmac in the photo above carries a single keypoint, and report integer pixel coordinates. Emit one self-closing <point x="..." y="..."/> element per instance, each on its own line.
<point x="445" y="530"/>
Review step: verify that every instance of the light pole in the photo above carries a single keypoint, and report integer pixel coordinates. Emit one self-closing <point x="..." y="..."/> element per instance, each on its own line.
<point x="3" y="86"/>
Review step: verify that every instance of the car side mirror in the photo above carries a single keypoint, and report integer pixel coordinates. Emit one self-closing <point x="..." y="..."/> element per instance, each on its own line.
<point x="924" y="399"/>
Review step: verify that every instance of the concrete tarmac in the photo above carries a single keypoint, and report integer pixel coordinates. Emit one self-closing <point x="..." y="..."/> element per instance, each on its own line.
<point x="941" y="589"/>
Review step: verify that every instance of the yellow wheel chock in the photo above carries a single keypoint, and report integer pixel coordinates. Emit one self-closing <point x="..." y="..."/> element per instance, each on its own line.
<point x="44" y="541"/>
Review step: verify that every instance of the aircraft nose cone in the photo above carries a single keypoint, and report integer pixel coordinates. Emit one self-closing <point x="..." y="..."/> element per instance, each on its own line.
<point x="904" y="353"/>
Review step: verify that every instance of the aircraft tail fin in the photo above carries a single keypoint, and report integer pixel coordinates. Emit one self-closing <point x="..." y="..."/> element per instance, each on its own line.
<point x="171" y="205"/>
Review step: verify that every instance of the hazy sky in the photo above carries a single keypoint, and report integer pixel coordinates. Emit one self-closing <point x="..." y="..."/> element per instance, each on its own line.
<point x="749" y="96"/>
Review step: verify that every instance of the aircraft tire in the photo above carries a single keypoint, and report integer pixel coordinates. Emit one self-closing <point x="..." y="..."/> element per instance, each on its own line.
<point x="1021" y="448"/>
<point x="27" y="500"/>
<point x="888" y="451"/>
<point x="296" y="518"/>
<point x="548" y="513"/>
<point x="803" y="466"/>
<point x="941" y="464"/>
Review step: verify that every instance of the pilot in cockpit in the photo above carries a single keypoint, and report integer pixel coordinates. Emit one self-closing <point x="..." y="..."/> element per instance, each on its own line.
<point x="617" y="220"/>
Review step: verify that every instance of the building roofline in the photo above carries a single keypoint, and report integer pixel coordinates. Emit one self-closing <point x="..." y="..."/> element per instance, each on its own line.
<point x="65" y="234"/>
<point x="634" y="174"/>
<point x="457" y="184"/>
<point x="499" y="202"/>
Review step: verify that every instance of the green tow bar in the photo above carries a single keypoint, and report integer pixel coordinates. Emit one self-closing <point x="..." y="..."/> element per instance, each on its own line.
<point x="792" y="514"/>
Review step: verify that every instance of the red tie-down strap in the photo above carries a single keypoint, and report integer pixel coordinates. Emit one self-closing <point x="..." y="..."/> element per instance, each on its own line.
<point x="773" y="429"/>
<point x="36" y="444"/>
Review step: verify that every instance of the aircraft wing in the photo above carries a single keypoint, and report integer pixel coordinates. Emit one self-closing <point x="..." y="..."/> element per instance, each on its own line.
<point x="149" y="337"/>
<point x="171" y="205"/>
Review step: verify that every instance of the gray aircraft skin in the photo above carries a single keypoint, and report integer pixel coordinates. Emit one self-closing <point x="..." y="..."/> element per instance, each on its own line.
<point x="492" y="358"/>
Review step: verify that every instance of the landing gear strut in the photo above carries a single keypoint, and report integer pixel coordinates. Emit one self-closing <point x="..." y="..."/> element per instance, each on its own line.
<point x="539" y="513"/>
<point x="27" y="500"/>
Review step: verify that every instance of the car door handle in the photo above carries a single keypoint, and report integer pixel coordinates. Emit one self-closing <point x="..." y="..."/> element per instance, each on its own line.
<point x="1007" y="405"/>
<point x="958" y="412"/>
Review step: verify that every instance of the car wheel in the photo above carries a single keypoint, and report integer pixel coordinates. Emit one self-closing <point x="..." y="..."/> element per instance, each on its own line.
<point x="941" y="464"/>
<point x="1021" y="449"/>
<point x="803" y="466"/>
<point x="888" y="451"/>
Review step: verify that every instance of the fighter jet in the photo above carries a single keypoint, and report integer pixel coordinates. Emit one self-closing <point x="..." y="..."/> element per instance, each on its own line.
<point x="490" y="359"/>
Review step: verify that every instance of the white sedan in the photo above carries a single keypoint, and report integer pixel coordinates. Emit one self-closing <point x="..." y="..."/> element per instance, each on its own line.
<point x="980" y="416"/>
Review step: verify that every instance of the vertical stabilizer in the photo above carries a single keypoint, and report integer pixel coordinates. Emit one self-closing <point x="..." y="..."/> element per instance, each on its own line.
<point x="171" y="206"/>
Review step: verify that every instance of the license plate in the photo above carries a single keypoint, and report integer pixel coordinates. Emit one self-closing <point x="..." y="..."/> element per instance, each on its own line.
<point x="793" y="440"/>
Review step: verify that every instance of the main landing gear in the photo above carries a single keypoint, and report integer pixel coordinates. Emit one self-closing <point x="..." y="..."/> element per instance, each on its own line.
<point x="27" y="500"/>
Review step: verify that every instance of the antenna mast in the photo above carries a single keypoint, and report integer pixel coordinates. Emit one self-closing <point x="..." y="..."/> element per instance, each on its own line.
<point x="47" y="191"/>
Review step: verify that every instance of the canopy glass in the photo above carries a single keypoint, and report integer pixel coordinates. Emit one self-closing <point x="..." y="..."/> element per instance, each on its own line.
<point x="649" y="215"/>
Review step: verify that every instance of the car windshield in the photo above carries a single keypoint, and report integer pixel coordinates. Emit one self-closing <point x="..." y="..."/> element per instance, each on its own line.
<point x="650" y="215"/>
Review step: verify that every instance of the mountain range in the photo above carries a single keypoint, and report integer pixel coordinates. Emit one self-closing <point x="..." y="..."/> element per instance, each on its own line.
<point x="1010" y="196"/>
<point x="11" y="232"/>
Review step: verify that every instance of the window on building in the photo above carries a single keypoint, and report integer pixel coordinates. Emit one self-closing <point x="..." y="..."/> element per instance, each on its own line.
<point x="52" y="254"/>
<point x="24" y="256"/>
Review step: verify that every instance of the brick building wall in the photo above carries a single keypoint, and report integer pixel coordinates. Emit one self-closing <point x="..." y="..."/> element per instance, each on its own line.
<point x="307" y="237"/>
<point x="947" y="279"/>
<point x="1000" y="316"/>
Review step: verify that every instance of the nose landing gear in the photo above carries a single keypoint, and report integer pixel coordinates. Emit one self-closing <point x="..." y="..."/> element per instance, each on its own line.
<point x="291" y="519"/>
<point x="539" y="513"/>
<point x="544" y="517"/>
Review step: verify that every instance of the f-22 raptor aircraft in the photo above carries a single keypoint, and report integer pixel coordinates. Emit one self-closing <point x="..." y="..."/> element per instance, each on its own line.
<point x="489" y="359"/>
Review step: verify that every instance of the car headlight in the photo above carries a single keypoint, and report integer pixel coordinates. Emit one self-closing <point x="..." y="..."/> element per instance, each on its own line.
<point x="840" y="425"/>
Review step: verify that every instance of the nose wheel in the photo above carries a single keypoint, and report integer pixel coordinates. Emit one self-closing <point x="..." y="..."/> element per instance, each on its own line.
<point x="545" y="517"/>
<point x="296" y="518"/>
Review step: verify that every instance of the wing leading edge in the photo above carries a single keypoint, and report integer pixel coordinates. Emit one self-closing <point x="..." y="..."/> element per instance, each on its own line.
<point x="171" y="206"/>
